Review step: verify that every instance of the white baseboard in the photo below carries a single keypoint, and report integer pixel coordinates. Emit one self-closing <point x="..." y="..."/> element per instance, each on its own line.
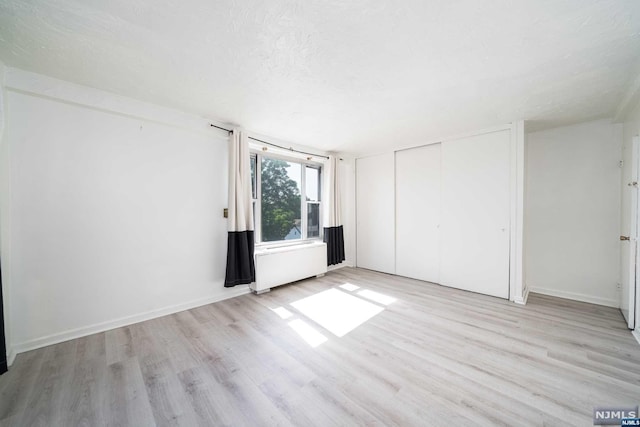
<point x="523" y="300"/>
<point x="577" y="296"/>
<point x="636" y="334"/>
<point x="11" y="356"/>
<point x="339" y="266"/>
<point x="123" y="321"/>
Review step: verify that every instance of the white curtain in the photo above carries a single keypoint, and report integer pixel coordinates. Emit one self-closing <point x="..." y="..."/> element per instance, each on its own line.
<point x="333" y="232"/>
<point x="240" y="239"/>
<point x="331" y="193"/>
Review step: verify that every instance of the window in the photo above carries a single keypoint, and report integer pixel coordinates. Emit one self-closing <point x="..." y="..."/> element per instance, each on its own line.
<point x="286" y="198"/>
<point x="312" y="181"/>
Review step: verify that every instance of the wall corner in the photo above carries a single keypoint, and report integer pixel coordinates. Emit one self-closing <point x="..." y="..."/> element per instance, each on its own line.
<point x="517" y="288"/>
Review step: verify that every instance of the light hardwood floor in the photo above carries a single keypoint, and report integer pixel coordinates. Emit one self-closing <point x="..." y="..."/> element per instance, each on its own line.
<point x="434" y="356"/>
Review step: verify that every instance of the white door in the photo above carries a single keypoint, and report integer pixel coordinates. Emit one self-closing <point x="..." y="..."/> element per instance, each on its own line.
<point x="475" y="220"/>
<point x="375" y="213"/>
<point x="418" y="213"/>
<point x="629" y="229"/>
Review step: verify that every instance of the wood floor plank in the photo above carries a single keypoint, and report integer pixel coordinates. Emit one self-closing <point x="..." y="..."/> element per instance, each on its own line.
<point x="431" y="356"/>
<point x="17" y="384"/>
<point x="296" y="403"/>
<point x="83" y="404"/>
<point x="12" y="420"/>
<point x="208" y="398"/>
<point x="118" y="345"/>
<point x="126" y="402"/>
<point x="168" y="400"/>
<point x="53" y="383"/>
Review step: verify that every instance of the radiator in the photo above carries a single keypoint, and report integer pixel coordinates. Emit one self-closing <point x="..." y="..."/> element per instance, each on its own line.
<point x="285" y="264"/>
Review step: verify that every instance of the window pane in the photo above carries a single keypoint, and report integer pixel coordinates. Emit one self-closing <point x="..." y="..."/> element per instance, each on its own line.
<point x="280" y="185"/>
<point x="312" y="183"/>
<point x="253" y="177"/>
<point x="313" y="220"/>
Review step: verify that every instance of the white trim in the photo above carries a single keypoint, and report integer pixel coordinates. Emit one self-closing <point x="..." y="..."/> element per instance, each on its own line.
<point x="636" y="335"/>
<point x="284" y="243"/>
<point x="609" y="302"/>
<point x="522" y="300"/>
<point x="124" y="321"/>
<point x="287" y="248"/>
<point x="513" y="211"/>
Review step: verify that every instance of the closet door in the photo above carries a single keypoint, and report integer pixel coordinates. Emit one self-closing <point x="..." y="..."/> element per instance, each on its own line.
<point x="476" y="214"/>
<point x="375" y="213"/>
<point x="418" y="213"/>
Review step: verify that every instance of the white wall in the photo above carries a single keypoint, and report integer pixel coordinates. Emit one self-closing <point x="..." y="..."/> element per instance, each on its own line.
<point x="573" y="212"/>
<point x="116" y="210"/>
<point x="4" y="214"/>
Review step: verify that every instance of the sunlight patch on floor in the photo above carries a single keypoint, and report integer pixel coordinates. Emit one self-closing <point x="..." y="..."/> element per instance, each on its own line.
<point x="376" y="297"/>
<point x="307" y="332"/>
<point x="337" y="311"/>
<point x="282" y="312"/>
<point x="349" y="287"/>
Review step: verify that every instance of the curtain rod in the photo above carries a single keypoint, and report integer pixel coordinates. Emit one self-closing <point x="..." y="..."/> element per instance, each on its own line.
<point x="274" y="145"/>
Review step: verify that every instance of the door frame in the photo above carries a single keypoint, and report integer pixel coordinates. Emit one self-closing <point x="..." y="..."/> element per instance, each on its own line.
<point x="635" y="222"/>
<point x="633" y="255"/>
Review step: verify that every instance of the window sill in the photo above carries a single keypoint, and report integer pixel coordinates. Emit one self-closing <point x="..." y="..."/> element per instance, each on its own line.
<point x="267" y="246"/>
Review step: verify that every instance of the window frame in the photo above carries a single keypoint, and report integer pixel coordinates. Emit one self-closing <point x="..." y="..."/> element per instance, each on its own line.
<point x="257" y="156"/>
<point x="306" y="203"/>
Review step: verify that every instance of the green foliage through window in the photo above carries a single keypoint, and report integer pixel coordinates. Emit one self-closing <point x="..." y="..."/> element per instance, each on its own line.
<point x="280" y="200"/>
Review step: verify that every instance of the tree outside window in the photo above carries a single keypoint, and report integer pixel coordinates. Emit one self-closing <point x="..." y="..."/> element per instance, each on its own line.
<point x="280" y="200"/>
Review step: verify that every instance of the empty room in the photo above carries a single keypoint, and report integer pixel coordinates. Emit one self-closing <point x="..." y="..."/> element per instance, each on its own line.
<point x="318" y="213"/>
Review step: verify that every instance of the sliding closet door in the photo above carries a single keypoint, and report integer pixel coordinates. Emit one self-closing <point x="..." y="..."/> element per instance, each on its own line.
<point x="418" y="213"/>
<point x="476" y="214"/>
<point x="375" y="213"/>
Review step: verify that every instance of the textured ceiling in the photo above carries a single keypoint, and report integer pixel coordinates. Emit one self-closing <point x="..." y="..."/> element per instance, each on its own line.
<point x="359" y="76"/>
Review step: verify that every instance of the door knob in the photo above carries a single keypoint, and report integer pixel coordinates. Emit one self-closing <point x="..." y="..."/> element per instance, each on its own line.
<point x="624" y="237"/>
